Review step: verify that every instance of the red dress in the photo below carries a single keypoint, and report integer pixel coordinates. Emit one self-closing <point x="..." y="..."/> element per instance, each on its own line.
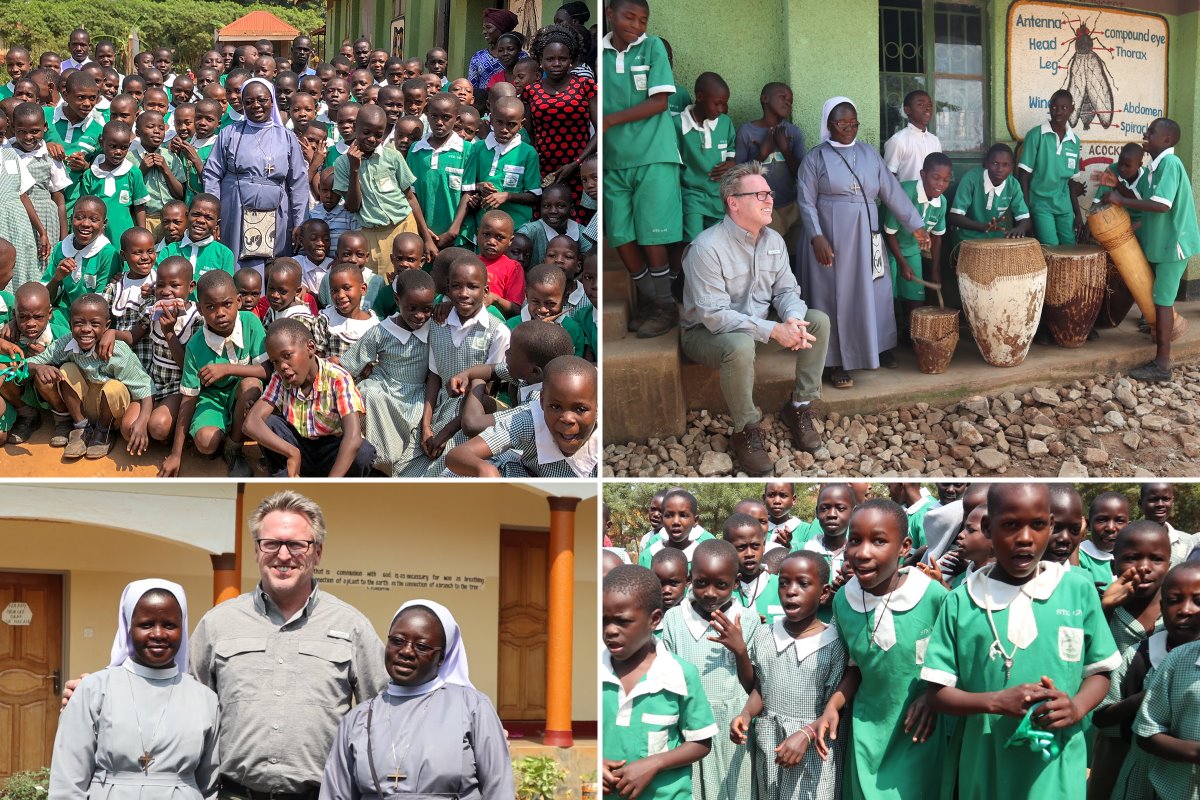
<point x="561" y="127"/>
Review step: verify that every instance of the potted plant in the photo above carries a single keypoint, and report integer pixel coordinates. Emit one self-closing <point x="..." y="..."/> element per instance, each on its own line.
<point x="590" y="790"/>
<point x="538" y="777"/>
<point x="30" y="785"/>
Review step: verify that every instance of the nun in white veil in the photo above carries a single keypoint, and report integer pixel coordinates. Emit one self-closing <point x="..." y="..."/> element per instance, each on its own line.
<point x="430" y="733"/>
<point x="141" y="729"/>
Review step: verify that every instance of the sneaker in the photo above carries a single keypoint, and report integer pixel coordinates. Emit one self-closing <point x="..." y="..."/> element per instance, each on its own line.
<point x="799" y="421"/>
<point x="76" y="443"/>
<point x="641" y="310"/>
<point x="663" y="319"/>
<point x="24" y="426"/>
<point x="750" y="449"/>
<point x="99" y="442"/>
<point x="62" y="431"/>
<point x="1150" y="372"/>
<point x="235" y="459"/>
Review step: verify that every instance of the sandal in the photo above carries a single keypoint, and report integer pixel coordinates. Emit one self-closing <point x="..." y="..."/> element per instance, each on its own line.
<point x="840" y="378"/>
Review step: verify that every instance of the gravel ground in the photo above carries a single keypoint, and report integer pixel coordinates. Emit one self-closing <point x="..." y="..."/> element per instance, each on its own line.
<point x="1111" y="426"/>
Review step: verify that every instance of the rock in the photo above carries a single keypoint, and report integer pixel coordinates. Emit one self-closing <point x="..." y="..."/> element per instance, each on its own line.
<point x="1057" y="448"/>
<point x="1125" y="396"/>
<point x="1047" y="397"/>
<point x="1042" y="432"/>
<point x="858" y="434"/>
<point x="992" y="459"/>
<point x="1115" y="419"/>
<point x="1096" y="456"/>
<point x="1071" y="468"/>
<point x="1132" y="440"/>
<point x="1153" y="422"/>
<point x="969" y="435"/>
<point x="719" y="443"/>
<point x="783" y="466"/>
<point x="822" y="454"/>
<point x="977" y="404"/>
<point x="1101" y="394"/>
<point x="837" y="450"/>
<point x="1037" y="448"/>
<point x="714" y="463"/>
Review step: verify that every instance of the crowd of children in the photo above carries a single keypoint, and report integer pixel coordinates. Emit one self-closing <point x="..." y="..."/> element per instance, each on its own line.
<point x="666" y="152"/>
<point x="317" y="256"/>
<point x="989" y="641"/>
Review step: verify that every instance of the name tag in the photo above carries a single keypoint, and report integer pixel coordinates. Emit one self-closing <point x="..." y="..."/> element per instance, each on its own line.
<point x="1071" y="162"/>
<point x="454" y="177"/>
<point x="641" y="77"/>
<point x="333" y="634"/>
<point x="774" y="252"/>
<point x="124" y="198"/>
<point x="89" y="281"/>
<point x="1070" y="643"/>
<point x="922" y="646"/>
<point x="512" y="176"/>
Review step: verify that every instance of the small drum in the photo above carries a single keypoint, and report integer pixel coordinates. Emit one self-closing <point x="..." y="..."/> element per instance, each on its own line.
<point x="934" y="337"/>
<point x="1117" y="299"/>
<point x="1111" y="228"/>
<point x="1003" y="285"/>
<point x="1076" y="276"/>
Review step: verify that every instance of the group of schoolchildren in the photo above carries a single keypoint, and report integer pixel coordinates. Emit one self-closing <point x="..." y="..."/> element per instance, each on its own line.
<point x="122" y="311"/>
<point x="986" y="642"/>
<point x="662" y="190"/>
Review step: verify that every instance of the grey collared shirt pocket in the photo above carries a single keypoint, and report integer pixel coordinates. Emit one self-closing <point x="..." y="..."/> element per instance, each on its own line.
<point x="321" y="671"/>
<point x="243" y="671"/>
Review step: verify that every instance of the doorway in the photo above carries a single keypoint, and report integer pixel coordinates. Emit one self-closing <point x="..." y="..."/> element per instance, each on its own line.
<point x="31" y="637"/>
<point x="524" y="597"/>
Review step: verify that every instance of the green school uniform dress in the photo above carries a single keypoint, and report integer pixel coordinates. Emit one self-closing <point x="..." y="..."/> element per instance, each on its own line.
<point x="761" y="595"/>
<point x="933" y="217"/>
<point x="916" y="517"/>
<point x="726" y="772"/>
<point x="642" y="197"/>
<point x="1138" y="186"/>
<point x="439" y="181"/>
<point x="6" y="91"/>
<point x="1132" y="677"/>
<point x="214" y="403"/>
<point x="702" y="146"/>
<point x="1172" y="237"/>
<point x="1051" y="163"/>
<point x="978" y="199"/>
<point x="95" y="265"/>
<point x="195" y="178"/>
<point x="119" y="189"/>
<point x="887" y="638"/>
<point x="1060" y="610"/>
<point x="511" y="167"/>
<point x="1172" y="706"/>
<point x="580" y="323"/>
<point x="666" y="708"/>
<point x="1096" y="563"/>
<point x="157" y="192"/>
<point x="207" y="254"/>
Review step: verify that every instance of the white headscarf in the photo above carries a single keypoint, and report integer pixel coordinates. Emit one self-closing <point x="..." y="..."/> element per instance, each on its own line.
<point x="454" y="658"/>
<point x="122" y="647"/>
<point x="275" y="118"/>
<point x="826" y="110"/>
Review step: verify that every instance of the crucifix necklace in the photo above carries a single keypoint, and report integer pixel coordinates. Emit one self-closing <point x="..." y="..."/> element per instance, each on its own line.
<point x="145" y="759"/>
<point x="997" y="649"/>
<point x="397" y="775"/>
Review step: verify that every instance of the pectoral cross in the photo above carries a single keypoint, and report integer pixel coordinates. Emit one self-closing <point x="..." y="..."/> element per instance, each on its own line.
<point x="1007" y="669"/>
<point x="397" y="776"/>
<point x="855" y="188"/>
<point x="269" y="168"/>
<point x="144" y="761"/>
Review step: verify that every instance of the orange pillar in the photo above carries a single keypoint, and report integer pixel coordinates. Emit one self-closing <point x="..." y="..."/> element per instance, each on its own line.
<point x="226" y="585"/>
<point x="560" y="622"/>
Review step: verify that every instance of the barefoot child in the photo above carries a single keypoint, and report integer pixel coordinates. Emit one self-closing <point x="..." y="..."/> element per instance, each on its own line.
<point x="798" y="663"/>
<point x="643" y="685"/>
<point x="338" y="327"/>
<point x="1049" y="160"/>
<point x="756" y="588"/>
<point x="671" y="567"/>
<point x="1107" y="515"/>
<point x="98" y="735"/>
<point x="1022" y="650"/>
<point x="884" y="617"/>
<point x="308" y="421"/>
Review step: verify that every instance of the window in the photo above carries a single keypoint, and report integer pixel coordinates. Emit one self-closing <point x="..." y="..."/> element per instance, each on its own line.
<point x="954" y="76"/>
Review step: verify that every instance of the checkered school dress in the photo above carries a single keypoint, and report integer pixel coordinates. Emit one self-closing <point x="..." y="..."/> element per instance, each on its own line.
<point x="1137" y="667"/>
<point x="41" y="167"/>
<point x="512" y="438"/>
<point x="1172" y="705"/>
<point x="126" y="304"/>
<point x="14" y="222"/>
<point x="794" y="694"/>
<point x="164" y="371"/>
<point x="394" y="394"/>
<point x="334" y="334"/>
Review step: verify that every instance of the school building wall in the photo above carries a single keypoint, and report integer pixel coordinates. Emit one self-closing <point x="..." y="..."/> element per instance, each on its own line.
<point x="349" y="19"/>
<point x="823" y="49"/>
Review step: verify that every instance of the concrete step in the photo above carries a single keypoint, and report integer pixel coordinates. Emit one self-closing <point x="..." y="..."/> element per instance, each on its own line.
<point x="617" y="285"/>
<point x="643" y="391"/>
<point x="614" y="318"/>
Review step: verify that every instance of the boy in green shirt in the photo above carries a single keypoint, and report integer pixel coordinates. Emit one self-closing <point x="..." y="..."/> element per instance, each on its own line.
<point x="1127" y="171"/>
<point x="656" y="716"/>
<point x="223" y="374"/>
<point x="18" y="62"/>
<point x="1169" y="235"/>
<point x="199" y="245"/>
<point x="85" y="261"/>
<point x="1049" y="160"/>
<point x="643" y="207"/>
<point x="706" y="138"/>
<point x="904" y="252"/>
<point x="28" y="330"/>
<point x="116" y="182"/>
<point x="503" y="171"/>
<point x="987" y="205"/>
<point x="438" y="162"/>
<point x="73" y="129"/>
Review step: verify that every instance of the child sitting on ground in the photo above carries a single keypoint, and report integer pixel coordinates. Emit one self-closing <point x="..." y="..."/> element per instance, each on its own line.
<point x="29" y="331"/>
<point x="130" y="291"/>
<point x="308" y="422"/>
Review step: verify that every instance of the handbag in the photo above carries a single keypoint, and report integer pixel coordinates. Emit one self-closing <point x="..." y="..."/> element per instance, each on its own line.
<point x="258" y="226"/>
<point x="879" y="263"/>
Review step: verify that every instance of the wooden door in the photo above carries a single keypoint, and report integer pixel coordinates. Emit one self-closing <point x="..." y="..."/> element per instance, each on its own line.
<point x="524" y="574"/>
<point x="30" y="657"/>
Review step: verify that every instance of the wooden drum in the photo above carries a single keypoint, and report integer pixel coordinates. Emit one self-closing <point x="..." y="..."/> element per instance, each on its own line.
<point x="1117" y="299"/>
<point x="1003" y="285"/>
<point x="1112" y="229"/>
<point x="1076" y="278"/>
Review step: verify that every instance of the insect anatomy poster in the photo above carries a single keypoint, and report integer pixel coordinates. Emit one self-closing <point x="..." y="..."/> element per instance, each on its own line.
<point x="1112" y="61"/>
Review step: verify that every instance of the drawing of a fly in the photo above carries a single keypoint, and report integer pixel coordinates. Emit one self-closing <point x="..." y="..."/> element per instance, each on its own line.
<point x="1088" y="78"/>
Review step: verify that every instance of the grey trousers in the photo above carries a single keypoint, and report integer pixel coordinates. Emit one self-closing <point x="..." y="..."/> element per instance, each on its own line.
<point x="733" y="355"/>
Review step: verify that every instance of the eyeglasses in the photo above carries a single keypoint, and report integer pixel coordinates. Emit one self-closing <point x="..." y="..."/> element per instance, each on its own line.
<point x="846" y="126"/>
<point x="256" y="101"/>
<point x="760" y="196"/>
<point x="273" y="546"/>
<point x="400" y="643"/>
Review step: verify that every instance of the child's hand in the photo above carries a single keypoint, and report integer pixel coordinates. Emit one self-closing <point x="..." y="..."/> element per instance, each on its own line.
<point x="149" y="161"/>
<point x="1120" y="589"/>
<point x="64" y="268"/>
<point x="10" y="349"/>
<point x="1016" y="700"/>
<point x="293" y="465"/>
<point x="431" y="247"/>
<point x="170" y="467"/>
<point x="77" y="162"/>
<point x="823" y="251"/>
<point x="1059" y="710"/>
<point x="906" y="271"/>
<point x="56" y="151"/>
<point x="366" y="371"/>
<point x="782" y="139"/>
<point x="307" y="149"/>
<point x="474" y="200"/>
<point x="739" y="729"/>
<point x="1108" y="179"/>
<point x="459" y="384"/>
<point x="922" y="237"/>
<point x="729" y="632"/>
<point x="826" y="726"/>
<point x="441" y="311"/>
<point x="496" y="199"/>
<point x="104" y="347"/>
<point x="167" y="317"/>
<point x="490" y="299"/>
<point x="446" y="239"/>
<point x="139" y="437"/>
<point x="716" y="173"/>
<point x="45" y="374"/>
<point x="429" y="442"/>
<point x="609" y="778"/>
<point x="635" y="777"/>
<point x="147" y="289"/>
<point x="791" y="751"/>
<point x="43" y="245"/>
<point x="354" y="155"/>
<point x="919" y="720"/>
<point x="994" y="224"/>
<point x="932" y="571"/>
<point x="485" y="188"/>
<point x="211" y="373"/>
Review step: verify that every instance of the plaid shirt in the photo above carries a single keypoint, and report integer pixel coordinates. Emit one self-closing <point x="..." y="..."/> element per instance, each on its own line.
<point x="164" y="371"/>
<point x="334" y="395"/>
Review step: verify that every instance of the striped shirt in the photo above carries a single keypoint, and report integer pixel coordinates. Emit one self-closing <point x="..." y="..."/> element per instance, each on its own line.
<point x="320" y="413"/>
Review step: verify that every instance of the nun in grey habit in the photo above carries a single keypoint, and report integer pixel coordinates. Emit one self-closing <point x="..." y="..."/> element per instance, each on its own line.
<point x="136" y="732"/>
<point x="841" y="182"/>
<point x="430" y="733"/>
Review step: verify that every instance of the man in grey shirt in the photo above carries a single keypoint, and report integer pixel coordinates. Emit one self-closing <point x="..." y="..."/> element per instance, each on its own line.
<point x="736" y="272"/>
<point x="286" y="660"/>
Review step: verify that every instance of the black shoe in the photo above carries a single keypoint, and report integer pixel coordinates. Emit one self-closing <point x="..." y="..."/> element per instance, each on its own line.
<point x="1150" y="372"/>
<point x="887" y="360"/>
<point x="663" y="319"/>
<point x="24" y="426"/>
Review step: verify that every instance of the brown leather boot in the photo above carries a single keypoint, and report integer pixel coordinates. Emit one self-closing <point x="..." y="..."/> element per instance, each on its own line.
<point x="799" y="421"/>
<point x="663" y="318"/>
<point x="750" y="449"/>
